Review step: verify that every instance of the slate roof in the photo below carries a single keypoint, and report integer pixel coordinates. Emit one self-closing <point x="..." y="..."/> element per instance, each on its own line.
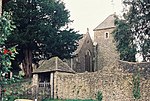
<point x="52" y="65"/>
<point x="81" y="42"/>
<point x="107" y="23"/>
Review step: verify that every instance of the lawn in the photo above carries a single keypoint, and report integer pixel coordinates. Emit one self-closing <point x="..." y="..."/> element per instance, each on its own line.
<point x="69" y="100"/>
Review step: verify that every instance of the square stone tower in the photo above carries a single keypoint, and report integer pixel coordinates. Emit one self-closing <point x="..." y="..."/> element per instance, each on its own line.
<point x="106" y="48"/>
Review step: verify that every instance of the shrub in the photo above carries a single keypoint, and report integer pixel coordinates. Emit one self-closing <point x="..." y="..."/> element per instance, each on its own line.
<point x="99" y="96"/>
<point x="136" y="86"/>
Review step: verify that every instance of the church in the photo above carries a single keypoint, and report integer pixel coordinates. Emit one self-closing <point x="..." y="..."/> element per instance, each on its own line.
<point x="95" y="55"/>
<point x="90" y="57"/>
<point x="95" y="67"/>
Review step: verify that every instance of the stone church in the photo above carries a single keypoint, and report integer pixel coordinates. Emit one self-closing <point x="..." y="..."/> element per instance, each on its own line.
<point x="83" y="56"/>
<point x="92" y="56"/>
<point x="106" y="53"/>
<point x="94" y="67"/>
<point x="101" y="53"/>
<point x="89" y="57"/>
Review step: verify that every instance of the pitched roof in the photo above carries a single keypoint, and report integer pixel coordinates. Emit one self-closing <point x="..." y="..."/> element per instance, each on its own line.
<point x="54" y="64"/>
<point x="81" y="42"/>
<point x="107" y="23"/>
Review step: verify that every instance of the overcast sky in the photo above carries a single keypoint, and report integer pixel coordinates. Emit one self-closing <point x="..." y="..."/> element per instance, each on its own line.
<point x="90" y="13"/>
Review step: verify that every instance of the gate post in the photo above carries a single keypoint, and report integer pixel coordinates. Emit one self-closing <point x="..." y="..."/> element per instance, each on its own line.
<point x="52" y="85"/>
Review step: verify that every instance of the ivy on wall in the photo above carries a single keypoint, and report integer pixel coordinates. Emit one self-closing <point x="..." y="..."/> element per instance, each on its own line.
<point x="99" y="96"/>
<point x="136" y="85"/>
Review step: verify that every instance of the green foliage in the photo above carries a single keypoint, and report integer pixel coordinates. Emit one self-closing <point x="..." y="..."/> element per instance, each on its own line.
<point x="41" y="31"/>
<point x="99" y="96"/>
<point x="124" y="40"/>
<point x="138" y="18"/>
<point x="17" y="90"/>
<point x="9" y="98"/>
<point x="6" y="27"/>
<point x="42" y="26"/>
<point x="6" y="55"/>
<point x="136" y="86"/>
<point x="133" y="31"/>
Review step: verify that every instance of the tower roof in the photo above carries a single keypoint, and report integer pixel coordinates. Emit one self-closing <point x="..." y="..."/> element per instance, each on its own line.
<point x="52" y="65"/>
<point x="107" y="23"/>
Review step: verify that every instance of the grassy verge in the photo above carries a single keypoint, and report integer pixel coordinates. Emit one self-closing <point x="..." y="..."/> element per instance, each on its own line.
<point x="68" y="100"/>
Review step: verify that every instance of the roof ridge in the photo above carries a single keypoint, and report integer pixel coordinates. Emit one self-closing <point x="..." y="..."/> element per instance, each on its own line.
<point x="104" y="25"/>
<point x="83" y="40"/>
<point x="54" y="64"/>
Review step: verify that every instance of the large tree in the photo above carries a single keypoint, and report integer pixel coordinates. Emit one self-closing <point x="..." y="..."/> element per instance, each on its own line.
<point x="41" y="31"/>
<point x="124" y="40"/>
<point x="133" y="31"/>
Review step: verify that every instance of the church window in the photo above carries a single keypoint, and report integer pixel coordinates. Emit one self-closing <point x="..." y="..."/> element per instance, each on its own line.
<point x="106" y="35"/>
<point x="88" y="61"/>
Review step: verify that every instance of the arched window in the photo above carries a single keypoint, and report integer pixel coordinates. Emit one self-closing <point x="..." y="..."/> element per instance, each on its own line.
<point x="88" y="61"/>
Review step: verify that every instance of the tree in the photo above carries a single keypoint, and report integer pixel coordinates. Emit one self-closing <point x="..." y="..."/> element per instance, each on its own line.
<point x="124" y="39"/>
<point x="6" y="54"/>
<point x="135" y="29"/>
<point x="41" y="31"/>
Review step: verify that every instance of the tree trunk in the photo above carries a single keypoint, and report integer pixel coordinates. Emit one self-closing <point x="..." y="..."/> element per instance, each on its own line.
<point x="27" y="62"/>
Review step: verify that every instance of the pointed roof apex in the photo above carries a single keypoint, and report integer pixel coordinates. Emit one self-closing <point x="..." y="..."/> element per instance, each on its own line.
<point x="52" y="65"/>
<point x="107" y="23"/>
<point x="81" y="41"/>
<point x="87" y="30"/>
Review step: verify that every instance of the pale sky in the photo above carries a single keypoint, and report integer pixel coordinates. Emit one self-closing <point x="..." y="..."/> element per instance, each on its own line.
<point x="90" y="13"/>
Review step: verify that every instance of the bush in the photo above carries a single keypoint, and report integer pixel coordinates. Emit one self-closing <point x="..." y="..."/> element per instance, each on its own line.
<point x="99" y="96"/>
<point x="136" y="86"/>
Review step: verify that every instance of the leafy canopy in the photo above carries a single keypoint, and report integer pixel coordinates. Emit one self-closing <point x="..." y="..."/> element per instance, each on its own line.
<point x="6" y="55"/>
<point x="133" y="31"/>
<point x="42" y="26"/>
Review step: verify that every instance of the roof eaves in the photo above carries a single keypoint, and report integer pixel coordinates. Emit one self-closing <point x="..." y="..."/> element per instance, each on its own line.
<point x="104" y="28"/>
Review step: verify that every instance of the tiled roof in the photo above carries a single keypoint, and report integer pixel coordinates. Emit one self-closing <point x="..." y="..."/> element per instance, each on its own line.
<point x="107" y="23"/>
<point x="53" y="64"/>
<point x="81" y="42"/>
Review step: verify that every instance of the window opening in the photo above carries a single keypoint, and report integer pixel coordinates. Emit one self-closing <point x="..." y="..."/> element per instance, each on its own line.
<point x="107" y="35"/>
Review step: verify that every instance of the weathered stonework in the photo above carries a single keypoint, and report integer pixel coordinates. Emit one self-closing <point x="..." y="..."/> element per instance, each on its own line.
<point x="107" y="54"/>
<point x="35" y="80"/>
<point x="115" y="86"/>
<point x="83" y="59"/>
<point x="133" y="67"/>
<point x="115" y="83"/>
<point x="111" y="76"/>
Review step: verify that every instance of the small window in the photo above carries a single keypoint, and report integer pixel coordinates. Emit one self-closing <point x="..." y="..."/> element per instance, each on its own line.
<point x="107" y="35"/>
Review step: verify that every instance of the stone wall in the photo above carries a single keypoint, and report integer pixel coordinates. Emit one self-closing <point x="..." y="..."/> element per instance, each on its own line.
<point x="107" y="53"/>
<point x="133" y="67"/>
<point x="115" y="86"/>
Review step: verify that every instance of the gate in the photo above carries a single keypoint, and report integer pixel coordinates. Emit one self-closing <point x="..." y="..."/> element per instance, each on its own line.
<point x="44" y="90"/>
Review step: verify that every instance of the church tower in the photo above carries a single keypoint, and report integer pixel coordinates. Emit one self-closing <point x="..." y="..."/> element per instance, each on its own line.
<point x="106" y="48"/>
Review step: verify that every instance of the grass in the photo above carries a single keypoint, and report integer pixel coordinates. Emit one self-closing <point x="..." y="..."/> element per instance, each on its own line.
<point x="69" y="100"/>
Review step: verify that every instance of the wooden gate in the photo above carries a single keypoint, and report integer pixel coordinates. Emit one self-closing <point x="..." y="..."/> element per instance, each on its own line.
<point x="44" y="90"/>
